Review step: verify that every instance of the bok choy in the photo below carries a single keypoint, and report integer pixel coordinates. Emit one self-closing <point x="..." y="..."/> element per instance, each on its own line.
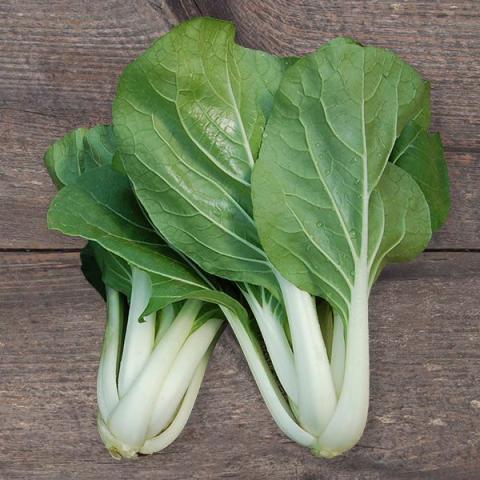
<point x="290" y="182"/>
<point x="163" y="315"/>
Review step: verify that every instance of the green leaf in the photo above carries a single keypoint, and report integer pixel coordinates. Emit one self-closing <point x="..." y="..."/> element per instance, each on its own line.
<point x="66" y="160"/>
<point x="99" y="146"/>
<point x="326" y="205"/>
<point x="79" y="151"/>
<point x="117" y="163"/>
<point x="189" y="115"/>
<point x="100" y="207"/>
<point x="399" y="216"/>
<point x="421" y="155"/>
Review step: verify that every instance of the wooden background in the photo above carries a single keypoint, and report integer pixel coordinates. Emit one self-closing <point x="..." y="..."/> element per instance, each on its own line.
<point x="59" y="63"/>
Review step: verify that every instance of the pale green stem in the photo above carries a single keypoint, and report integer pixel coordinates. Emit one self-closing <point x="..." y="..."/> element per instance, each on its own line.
<point x="107" y="392"/>
<point x="140" y="336"/>
<point x="316" y="393"/>
<point x="180" y="375"/>
<point x="347" y="424"/>
<point x="277" y="344"/>
<point x="337" y="362"/>
<point x="165" y="318"/>
<point x="129" y="422"/>
<point x="178" y="424"/>
<point x="266" y="382"/>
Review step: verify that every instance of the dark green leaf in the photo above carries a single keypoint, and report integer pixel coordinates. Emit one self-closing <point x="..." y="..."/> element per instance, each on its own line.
<point x="421" y="155"/>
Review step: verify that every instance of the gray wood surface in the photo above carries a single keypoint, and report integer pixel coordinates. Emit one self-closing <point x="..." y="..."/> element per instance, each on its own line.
<point x="59" y="62"/>
<point x="424" y="413"/>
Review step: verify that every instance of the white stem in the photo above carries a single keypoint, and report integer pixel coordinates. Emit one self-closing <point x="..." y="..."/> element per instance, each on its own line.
<point x="266" y="383"/>
<point x="176" y="427"/>
<point x="111" y="443"/>
<point x="165" y="318"/>
<point x="277" y="345"/>
<point x="128" y="423"/>
<point x="316" y="392"/>
<point x="140" y="336"/>
<point x="337" y="362"/>
<point x="349" y="420"/>
<point x="107" y="393"/>
<point x="180" y="375"/>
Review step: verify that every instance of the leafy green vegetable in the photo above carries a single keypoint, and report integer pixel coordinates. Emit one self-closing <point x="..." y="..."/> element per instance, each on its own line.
<point x="331" y="211"/>
<point x="296" y="179"/>
<point x="100" y="206"/>
<point x="189" y="115"/>
<point x="150" y="370"/>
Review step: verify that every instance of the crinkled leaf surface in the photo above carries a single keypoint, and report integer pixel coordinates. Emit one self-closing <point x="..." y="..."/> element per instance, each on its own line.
<point x="327" y="206"/>
<point x="100" y="206"/>
<point x="189" y="117"/>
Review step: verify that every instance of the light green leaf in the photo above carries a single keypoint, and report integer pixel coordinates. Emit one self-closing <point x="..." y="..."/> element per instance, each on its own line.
<point x="189" y="115"/>
<point x="335" y="119"/>
<point x="405" y="220"/>
<point x="99" y="146"/>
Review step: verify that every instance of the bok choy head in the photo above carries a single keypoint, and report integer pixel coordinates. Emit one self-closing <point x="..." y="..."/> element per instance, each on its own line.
<point x="163" y="314"/>
<point x="348" y="180"/>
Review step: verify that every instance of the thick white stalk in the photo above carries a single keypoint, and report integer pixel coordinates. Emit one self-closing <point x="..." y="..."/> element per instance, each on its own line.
<point x="277" y="345"/>
<point x="316" y="392"/>
<point x="350" y="418"/>
<point x="140" y="336"/>
<point x="129" y="422"/>
<point x="337" y="361"/>
<point x="107" y="393"/>
<point x="180" y="375"/>
<point x="163" y="440"/>
<point x="266" y="383"/>
<point x="110" y="442"/>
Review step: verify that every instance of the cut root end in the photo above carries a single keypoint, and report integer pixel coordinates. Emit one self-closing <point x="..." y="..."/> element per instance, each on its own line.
<point x="117" y="449"/>
<point x="320" y="451"/>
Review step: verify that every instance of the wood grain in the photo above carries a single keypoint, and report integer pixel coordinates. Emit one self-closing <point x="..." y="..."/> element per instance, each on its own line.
<point x="60" y="61"/>
<point x="424" y="414"/>
<point x="59" y="65"/>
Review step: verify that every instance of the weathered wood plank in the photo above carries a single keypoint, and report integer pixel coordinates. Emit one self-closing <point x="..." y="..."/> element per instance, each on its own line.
<point x="424" y="419"/>
<point x="59" y="65"/>
<point x="60" y="62"/>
